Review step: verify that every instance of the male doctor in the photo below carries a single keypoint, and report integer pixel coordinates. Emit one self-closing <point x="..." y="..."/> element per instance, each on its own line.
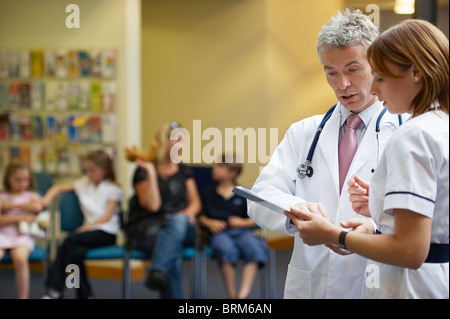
<point x="317" y="271"/>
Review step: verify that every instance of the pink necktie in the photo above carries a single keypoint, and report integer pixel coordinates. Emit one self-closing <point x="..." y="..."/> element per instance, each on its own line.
<point x="347" y="147"/>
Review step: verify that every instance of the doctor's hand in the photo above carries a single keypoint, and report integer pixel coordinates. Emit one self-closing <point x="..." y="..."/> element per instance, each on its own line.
<point x="314" y="228"/>
<point x="312" y="208"/>
<point x="359" y="195"/>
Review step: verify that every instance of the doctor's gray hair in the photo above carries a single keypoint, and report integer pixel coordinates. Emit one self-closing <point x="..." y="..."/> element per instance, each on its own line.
<point x="348" y="28"/>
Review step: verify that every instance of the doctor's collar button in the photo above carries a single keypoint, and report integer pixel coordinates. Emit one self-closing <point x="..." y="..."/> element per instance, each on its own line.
<point x="372" y="170"/>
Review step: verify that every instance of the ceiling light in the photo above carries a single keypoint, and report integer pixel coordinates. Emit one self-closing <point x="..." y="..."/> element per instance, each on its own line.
<point x="404" y="6"/>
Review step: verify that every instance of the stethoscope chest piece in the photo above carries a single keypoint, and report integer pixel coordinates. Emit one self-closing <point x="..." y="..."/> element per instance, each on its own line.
<point x="305" y="170"/>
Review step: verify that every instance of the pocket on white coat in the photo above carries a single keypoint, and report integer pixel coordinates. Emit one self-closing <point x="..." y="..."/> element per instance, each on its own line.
<point x="298" y="284"/>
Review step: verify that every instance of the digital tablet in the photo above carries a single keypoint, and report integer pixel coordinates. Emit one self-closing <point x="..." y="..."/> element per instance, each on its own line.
<point x="249" y="194"/>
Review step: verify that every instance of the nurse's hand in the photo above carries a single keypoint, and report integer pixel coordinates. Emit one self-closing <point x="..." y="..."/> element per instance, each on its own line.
<point x="360" y="225"/>
<point x="313" y="227"/>
<point x="359" y="195"/>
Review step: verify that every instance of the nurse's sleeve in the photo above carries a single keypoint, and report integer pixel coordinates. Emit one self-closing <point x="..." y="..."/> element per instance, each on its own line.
<point x="277" y="181"/>
<point x="412" y="166"/>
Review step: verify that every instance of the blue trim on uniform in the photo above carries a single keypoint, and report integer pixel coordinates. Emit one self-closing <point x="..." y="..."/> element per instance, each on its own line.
<point x="409" y="193"/>
<point x="438" y="254"/>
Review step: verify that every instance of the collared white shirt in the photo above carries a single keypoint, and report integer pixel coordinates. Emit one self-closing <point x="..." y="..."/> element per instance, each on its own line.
<point x="366" y="116"/>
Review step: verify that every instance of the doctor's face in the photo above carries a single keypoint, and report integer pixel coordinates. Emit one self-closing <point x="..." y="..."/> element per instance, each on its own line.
<point x="349" y="74"/>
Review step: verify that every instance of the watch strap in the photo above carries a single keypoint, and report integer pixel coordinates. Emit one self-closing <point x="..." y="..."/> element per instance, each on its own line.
<point x="342" y="236"/>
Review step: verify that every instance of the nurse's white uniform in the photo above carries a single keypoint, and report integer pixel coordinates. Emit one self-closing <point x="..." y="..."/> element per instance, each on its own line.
<point x="413" y="174"/>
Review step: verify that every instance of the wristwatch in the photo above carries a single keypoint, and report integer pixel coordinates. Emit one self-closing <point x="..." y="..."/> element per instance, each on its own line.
<point x="342" y="246"/>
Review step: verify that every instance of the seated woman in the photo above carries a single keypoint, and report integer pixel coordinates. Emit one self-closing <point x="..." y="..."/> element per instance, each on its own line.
<point x="163" y="212"/>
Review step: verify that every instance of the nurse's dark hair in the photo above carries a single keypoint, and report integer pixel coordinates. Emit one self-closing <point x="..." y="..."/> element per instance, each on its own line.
<point x="101" y="159"/>
<point x="419" y="43"/>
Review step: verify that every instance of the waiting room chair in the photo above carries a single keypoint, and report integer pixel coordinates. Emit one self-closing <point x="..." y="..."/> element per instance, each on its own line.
<point x="43" y="182"/>
<point x="39" y="254"/>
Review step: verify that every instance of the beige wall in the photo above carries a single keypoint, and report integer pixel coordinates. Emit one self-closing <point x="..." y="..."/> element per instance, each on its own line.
<point x="296" y="81"/>
<point x="230" y="64"/>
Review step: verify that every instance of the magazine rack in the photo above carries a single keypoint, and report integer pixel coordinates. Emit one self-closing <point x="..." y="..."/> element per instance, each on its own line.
<point x="55" y="106"/>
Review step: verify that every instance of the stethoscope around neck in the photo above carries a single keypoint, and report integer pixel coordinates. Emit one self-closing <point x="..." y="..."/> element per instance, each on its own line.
<point x="306" y="169"/>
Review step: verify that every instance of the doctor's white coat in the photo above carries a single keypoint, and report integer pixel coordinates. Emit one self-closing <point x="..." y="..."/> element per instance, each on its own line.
<point x="316" y="271"/>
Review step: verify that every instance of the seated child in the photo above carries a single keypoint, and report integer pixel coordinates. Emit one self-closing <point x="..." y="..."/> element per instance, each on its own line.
<point x="18" y="205"/>
<point x="224" y="214"/>
<point x="100" y="198"/>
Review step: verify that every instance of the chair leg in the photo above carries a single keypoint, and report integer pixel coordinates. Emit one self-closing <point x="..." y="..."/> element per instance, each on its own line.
<point x="202" y="276"/>
<point x="263" y="281"/>
<point x="272" y="274"/>
<point x="46" y="262"/>
<point x="196" y="276"/>
<point x="192" y="279"/>
<point x="126" y="276"/>
<point x="268" y="274"/>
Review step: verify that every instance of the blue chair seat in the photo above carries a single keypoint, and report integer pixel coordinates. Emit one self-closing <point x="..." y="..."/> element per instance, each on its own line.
<point x="188" y="253"/>
<point x="106" y="252"/>
<point x="38" y="254"/>
<point x="208" y="252"/>
<point x="138" y="254"/>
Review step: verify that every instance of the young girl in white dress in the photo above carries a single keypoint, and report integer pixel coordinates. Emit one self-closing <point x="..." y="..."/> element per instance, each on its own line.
<point x="100" y="199"/>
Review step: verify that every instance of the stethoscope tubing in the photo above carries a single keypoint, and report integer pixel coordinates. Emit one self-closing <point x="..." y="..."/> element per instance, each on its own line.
<point x="305" y="169"/>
